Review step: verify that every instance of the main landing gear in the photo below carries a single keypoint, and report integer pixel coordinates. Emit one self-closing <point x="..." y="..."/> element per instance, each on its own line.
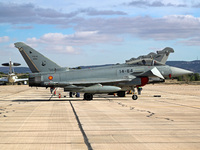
<point x="121" y="93"/>
<point x="88" y="96"/>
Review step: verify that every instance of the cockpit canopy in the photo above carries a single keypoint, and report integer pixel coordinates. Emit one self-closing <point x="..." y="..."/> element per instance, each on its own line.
<point x="152" y="59"/>
<point x="145" y="62"/>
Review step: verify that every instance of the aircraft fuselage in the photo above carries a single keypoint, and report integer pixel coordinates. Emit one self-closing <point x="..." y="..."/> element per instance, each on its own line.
<point x="124" y="75"/>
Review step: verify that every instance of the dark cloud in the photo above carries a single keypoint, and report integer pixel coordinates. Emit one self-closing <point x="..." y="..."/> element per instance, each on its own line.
<point x="166" y="28"/>
<point x="50" y="13"/>
<point x="145" y="3"/>
<point x="28" y="13"/>
<point x="23" y="13"/>
<point x="14" y="10"/>
<point x="23" y="27"/>
<point x="196" y="5"/>
<point x="195" y="41"/>
<point x="93" y="12"/>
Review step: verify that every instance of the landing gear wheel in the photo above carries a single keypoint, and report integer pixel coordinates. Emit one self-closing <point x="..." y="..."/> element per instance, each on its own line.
<point x="134" y="97"/>
<point x="88" y="96"/>
<point x="70" y="94"/>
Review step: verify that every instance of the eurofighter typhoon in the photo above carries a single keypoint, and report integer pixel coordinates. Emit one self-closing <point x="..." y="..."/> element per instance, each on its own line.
<point x="117" y="78"/>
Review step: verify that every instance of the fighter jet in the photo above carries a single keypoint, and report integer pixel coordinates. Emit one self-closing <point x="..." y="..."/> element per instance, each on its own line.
<point x="115" y="78"/>
<point x="11" y="78"/>
<point x="158" y="57"/>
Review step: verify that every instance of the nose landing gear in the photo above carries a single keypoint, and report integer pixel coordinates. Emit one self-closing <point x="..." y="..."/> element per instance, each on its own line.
<point x="134" y="97"/>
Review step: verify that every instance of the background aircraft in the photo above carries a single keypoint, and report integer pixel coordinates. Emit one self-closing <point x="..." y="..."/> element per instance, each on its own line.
<point x="11" y="78"/>
<point x="116" y="78"/>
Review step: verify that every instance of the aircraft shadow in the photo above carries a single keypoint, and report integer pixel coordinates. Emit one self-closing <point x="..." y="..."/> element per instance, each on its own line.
<point x="45" y="100"/>
<point x="96" y="98"/>
<point x="62" y="99"/>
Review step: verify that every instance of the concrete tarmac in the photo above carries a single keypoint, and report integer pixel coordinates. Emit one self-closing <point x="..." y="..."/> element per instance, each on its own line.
<point x="29" y="121"/>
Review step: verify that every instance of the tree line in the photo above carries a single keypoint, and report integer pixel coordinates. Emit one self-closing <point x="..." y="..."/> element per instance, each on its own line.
<point x="192" y="77"/>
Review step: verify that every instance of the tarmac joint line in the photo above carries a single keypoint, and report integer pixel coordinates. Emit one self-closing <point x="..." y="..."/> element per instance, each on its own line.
<point x="81" y="128"/>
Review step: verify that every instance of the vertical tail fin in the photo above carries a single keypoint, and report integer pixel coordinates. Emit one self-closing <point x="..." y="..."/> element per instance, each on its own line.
<point x="163" y="55"/>
<point x="36" y="61"/>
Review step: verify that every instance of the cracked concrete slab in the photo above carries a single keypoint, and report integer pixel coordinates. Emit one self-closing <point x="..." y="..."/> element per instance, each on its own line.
<point x="29" y="121"/>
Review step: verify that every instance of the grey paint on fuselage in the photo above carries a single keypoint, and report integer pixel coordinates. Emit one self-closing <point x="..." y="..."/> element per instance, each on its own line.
<point x="101" y="73"/>
<point x="115" y="78"/>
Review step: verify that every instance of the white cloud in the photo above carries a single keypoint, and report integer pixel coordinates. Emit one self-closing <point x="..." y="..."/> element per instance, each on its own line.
<point x="4" y="39"/>
<point x="154" y="3"/>
<point x="69" y="43"/>
<point x="183" y="19"/>
<point x="165" y="28"/>
<point x="61" y="49"/>
<point x="58" y="38"/>
<point x="75" y="39"/>
<point x="98" y="31"/>
<point x="70" y="49"/>
<point x="94" y="30"/>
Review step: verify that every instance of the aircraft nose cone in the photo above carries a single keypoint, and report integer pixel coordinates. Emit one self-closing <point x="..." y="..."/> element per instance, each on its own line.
<point x="179" y="72"/>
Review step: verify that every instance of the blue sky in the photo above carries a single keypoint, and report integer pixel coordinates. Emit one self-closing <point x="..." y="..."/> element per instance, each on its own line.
<point x="74" y="33"/>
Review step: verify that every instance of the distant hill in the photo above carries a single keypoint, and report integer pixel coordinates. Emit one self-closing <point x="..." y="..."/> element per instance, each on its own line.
<point x="16" y="69"/>
<point x="189" y="65"/>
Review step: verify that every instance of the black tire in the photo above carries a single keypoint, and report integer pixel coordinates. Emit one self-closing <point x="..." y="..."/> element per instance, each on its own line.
<point x="70" y="94"/>
<point x="88" y="96"/>
<point x="134" y="97"/>
<point x="121" y="94"/>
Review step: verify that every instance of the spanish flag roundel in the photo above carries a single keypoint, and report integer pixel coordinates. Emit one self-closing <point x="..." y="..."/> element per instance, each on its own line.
<point x="50" y="77"/>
